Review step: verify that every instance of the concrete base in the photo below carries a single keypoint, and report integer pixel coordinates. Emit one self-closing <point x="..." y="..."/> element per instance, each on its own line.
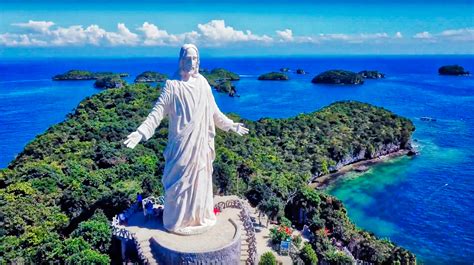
<point x="221" y="244"/>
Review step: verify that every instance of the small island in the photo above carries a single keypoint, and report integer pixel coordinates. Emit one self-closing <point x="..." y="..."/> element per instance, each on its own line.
<point x="300" y="71"/>
<point x="109" y="81"/>
<point x="274" y="76"/>
<point x="368" y="74"/>
<point x="226" y="87"/>
<point x="220" y="79"/>
<point x="452" y="70"/>
<point x="84" y="75"/>
<point x="342" y="77"/>
<point x="150" y="77"/>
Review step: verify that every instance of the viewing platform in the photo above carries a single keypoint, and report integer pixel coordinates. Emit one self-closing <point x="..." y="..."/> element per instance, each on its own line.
<point x="230" y="241"/>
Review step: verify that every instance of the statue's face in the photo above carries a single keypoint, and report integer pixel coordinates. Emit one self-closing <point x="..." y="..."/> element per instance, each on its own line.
<point x="190" y="60"/>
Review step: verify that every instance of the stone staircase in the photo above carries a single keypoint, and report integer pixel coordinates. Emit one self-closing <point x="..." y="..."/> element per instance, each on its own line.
<point x="244" y="246"/>
<point x="147" y="252"/>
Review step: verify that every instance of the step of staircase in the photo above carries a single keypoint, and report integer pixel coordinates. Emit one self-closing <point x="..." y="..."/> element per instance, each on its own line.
<point x="147" y="252"/>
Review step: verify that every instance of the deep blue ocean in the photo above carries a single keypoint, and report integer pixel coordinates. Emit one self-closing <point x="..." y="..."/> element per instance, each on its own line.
<point x="425" y="203"/>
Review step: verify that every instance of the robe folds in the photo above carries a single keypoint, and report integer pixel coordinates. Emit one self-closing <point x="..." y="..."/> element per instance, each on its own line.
<point x="189" y="154"/>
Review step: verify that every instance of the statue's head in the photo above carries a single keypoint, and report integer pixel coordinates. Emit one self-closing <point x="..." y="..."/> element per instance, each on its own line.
<point x="189" y="60"/>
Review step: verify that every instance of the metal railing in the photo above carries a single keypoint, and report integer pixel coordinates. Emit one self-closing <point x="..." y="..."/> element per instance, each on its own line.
<point x="247" y="222"/>
<point x="121" y="232"/>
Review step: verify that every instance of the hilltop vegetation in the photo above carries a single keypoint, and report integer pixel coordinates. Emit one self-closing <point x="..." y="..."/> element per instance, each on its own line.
<point x="57" y="196"/>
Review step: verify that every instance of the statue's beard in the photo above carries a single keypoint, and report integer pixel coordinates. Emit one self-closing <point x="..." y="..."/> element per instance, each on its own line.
<point x="189" y="69"/>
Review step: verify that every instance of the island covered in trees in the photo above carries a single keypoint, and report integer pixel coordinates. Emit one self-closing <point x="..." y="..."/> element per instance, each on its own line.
<point x="221" y="80"/>
<point x="340" y="77"/>
<point x="85" y="75"/>
<point x="58" y="195"/>
<point x="276" y="76"/>
<point x="452" y="70"/>
<point x="150" y="77"/>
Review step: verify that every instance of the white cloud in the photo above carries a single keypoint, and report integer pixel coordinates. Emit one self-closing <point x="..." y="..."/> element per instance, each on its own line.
<point x="123" y="36"/>
<point x="12" y="40"/>
<point x="155" y="36"/>
<point x="39" y="26"/>
<point x="466" y="34"/>
<point x="214" y="33"/>
<point x="423" y="35"/>
<point x="285" y="35"/>
<point x="218" y="33"/>
<point x="77" y="35"/>
<point x="351" y="38"/>
<point x="459" y="35"/>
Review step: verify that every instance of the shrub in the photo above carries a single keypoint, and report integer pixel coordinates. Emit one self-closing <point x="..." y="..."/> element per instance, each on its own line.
<point x="308" y="255"/>
<point x="267" y="259"/>
<point x="297" y="240"/>
<point x="280" y="233"/>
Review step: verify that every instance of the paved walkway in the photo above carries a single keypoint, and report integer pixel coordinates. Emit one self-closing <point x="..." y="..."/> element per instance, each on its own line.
<point x="262" y="234"/>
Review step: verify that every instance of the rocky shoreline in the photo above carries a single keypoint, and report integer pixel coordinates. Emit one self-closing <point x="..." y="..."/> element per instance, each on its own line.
<point x="323" y="181"/>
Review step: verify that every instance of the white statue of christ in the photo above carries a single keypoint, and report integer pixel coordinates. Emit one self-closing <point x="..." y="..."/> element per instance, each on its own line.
<point x="193" y="115"/>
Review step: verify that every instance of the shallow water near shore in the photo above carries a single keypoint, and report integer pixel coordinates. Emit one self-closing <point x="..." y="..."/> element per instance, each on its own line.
<point x="418" y="213"/>
<point x="424" y="203"/>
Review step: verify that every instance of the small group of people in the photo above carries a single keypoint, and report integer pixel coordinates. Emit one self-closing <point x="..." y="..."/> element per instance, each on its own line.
<point x="149" y="209"/>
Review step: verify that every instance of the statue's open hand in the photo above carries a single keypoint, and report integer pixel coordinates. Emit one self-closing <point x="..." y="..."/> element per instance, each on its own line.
<point x="239" y="129"/>
<point x="133" y="139"/>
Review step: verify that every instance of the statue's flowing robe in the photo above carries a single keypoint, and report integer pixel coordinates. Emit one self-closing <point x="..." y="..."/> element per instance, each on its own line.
<point x="189" y="154"/>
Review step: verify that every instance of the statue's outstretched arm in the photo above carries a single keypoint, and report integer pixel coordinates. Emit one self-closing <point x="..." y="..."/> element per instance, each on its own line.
<point x="146" y="130"/>
<point x="220" y="119"/>
<point x="223" y="122"/>
<point x="159" y="111"/>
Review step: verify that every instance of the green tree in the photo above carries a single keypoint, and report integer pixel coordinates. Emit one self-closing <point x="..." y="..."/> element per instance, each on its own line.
<point x="267" y="258"/>
<point x="96" y="232"/>
<point x="273" y="207"/>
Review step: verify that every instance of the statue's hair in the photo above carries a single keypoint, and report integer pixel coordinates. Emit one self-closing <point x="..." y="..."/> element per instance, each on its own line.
<point x="182" y="52"/>
<point x="185" y="47"/>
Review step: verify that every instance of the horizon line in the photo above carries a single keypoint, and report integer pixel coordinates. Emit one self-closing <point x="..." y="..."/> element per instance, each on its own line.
<point x="244" y="56"/>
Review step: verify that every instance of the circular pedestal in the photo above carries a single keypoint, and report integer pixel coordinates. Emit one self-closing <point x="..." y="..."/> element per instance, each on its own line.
<point x="219" y="245"/>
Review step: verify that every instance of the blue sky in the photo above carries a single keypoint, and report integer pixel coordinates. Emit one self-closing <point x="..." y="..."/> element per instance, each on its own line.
<point x="235" y="28"/>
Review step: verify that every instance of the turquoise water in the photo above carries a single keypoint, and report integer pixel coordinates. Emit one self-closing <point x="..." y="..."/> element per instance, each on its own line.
<point x="419" y="202"/>
<point x="425" y="203"/>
